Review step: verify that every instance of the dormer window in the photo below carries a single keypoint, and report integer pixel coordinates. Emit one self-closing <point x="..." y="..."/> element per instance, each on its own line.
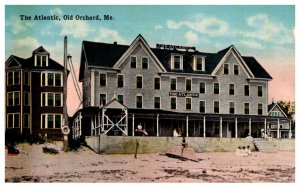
<point x="199" y="63"/>
<point x="177" y="62"/>
<point x="41" y="61"/>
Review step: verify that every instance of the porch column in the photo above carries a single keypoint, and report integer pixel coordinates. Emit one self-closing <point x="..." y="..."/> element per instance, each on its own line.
<point x="126" y="112"/>
<point x="157" y="125"/>
<point x="204" y="127"/>
<point x="249" y="127"/>
<point x="290" y="129"/>
<point x="265" y="130"/>
<point x="277" y="128"/>
<point x="236" y="131"/>
<point x="227" y="129"/>
<point x="132" y="124"/>
<point x="221" y="129"/>
<point x="187" y="126"/>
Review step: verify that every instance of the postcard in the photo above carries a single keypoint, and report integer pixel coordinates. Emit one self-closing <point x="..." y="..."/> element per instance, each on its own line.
<point x="149" y="93"/>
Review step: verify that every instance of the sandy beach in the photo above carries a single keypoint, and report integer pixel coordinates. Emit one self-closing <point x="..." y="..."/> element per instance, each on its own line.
<point x="32" y="165"/>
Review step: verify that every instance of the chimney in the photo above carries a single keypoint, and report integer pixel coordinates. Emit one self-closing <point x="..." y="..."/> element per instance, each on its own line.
<point x="115" y="43"/>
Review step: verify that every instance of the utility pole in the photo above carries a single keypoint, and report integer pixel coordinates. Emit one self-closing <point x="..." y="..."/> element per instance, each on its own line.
<point x="65" y="128"/>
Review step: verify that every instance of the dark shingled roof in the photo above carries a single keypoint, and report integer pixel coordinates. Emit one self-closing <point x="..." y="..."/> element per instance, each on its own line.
<point x="257" y="70"/>
<point x="29" y="63"/>
<point x="106" y="55"/>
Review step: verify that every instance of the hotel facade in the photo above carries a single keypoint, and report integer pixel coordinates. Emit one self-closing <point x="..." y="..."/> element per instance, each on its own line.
<point x="34" y="96"/>
<point x="222" y="94"/>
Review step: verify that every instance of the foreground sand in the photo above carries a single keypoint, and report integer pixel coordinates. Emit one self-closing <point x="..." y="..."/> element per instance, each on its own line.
<point x="32" y="165"/>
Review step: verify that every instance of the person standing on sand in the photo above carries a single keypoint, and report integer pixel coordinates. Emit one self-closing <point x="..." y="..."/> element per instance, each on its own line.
<point x="249" y="153"/>
<point x="184" y="144"/>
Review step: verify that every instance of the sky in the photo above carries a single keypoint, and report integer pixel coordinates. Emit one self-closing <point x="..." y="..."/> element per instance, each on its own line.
<point x="264" y="32"/>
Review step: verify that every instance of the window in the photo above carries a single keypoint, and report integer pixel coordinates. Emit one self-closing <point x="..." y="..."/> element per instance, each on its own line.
<point x="231" y="107"/>
<point x="51" y="79"/>
<point x="10" y="98"/>
<point x="216" y="107"/>
<point x="173" y="84"/>
<point x="13" y="120"/>
<point x="41" y="61"/>
<point x="102" y="99"/>
<point x="157" y="102"/>
<point x="133" y="62"/>
<point x="202" y="87"/>
<point x="139" y="82"/>
<point x="177" y="63"/>
<point x="43" y="100"/>
<point x="26" y="98"/>
<point x="139" y="101"/>
<point x="202" y="106"/>
<point x="275" y="113"/>
<point x="13" y="98"/>
<point x="231" y="89"/>
<point x="226" y="69"/>
<point x="43" y="79"/>
<point x="259" y="91"/>
<point x="102" y="80"/>
<point x="58" y="79"/>
<point x="188" y="84"/>
<point x="145" y="63"/>
<point x="51" y="99"/>
<point x="121" y="99"/>
<point x="157" y="83"/>
<point x="10" y="78"/>
<point x="58" y="99"/>
<point x="120" y="81"/>
<point x="57" y="121"/>
<point x="173" y="103"/>
<point x="216" y="88"/>
<point x="26" y="78"/>
<point x="259" y="109"/>
<point x="199" y="64"/>
<point x="51" y="121"/>
<point x="188" y="103"/>
<point x="246" y="108"/>
<point x="26" y="120"/>
<point x="236" y="70"/>
<point x="13" y="78"/>
<point x="246" y="90"/>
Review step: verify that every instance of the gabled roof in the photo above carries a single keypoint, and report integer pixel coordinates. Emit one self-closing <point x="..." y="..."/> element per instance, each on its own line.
<point x="225" y="53"/>
<point x="272" y="106"/>
<point x="139" y="40"/>
<point x="97" y="54"/>
<point x="29" y="63"/>
<point x="41" y="50"/>
<point x="114" y="104"/>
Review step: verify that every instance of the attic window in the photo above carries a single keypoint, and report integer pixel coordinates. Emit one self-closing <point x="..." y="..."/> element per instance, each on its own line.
<point x="199" y="64"/>
<point x="41" y="61"/>
<point x="177" y="62"/>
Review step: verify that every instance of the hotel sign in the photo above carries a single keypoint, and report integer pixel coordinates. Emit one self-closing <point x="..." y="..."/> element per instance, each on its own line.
<point x="183" y="94"/>
<point x="173" y="47"/>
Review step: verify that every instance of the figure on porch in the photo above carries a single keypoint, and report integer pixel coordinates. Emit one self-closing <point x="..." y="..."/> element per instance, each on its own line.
<point x="175" y="133"/>
<point x="140" y="131"/>
<point x="179" y="132"/>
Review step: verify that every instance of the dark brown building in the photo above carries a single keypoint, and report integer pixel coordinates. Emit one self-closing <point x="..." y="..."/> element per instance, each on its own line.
<point x="34" y="96"/>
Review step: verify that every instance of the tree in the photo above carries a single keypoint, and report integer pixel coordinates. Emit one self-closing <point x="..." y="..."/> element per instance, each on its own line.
<point x="287" y="107"/>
